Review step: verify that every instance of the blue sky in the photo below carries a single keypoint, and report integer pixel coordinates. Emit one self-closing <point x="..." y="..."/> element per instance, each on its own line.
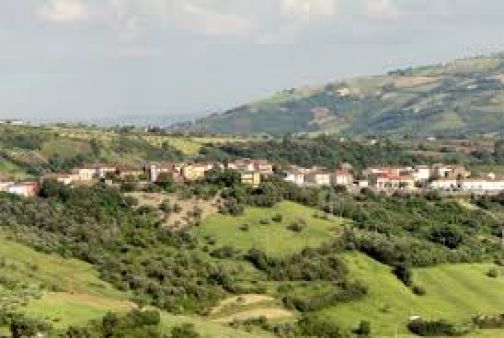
<point x="83" y="59"/>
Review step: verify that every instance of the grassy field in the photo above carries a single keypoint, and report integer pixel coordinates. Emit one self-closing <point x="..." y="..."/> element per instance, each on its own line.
<point x="454" y="292"/>
<point x="79" y="295"/>
<point x="274" y="238"/>
<point x="10" y="170"/>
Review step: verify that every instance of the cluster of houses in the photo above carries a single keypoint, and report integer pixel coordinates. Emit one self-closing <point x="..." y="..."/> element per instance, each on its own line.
<point x="252" y="171"/>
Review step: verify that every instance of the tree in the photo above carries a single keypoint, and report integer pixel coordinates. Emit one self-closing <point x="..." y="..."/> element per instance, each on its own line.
<point x="22" y="326"/>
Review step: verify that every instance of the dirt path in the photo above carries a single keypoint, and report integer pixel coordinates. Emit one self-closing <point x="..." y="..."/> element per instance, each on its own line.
<point x="269" y="313"/>
<point x="241" y="300"/>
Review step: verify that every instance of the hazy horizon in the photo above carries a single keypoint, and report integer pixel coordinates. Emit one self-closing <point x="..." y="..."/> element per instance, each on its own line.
<point x="85" y="60"/>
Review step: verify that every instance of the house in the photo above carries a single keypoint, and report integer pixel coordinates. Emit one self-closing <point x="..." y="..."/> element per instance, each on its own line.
<point x="252" y="178"/>
<point x="318" y="178"/>
<point x="156" y="169"/>
<point x="421" y="173"/>
<point x="444" y="184"/>
<point x="246" y="164"/>
<point x="388" y="181"/>
<point x="85" y="174"/>
<point x="362" y="184"/>
<point x="342" y="177"/>
<point x="196" y="171"/>
<point x="294" y="175"/>
<point x="25" y="189"/>
<point x="450" y="171"/>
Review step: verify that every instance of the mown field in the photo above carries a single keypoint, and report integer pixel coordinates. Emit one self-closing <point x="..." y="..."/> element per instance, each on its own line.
<point x="453" y="292"/>
<point x="273" y="238"/>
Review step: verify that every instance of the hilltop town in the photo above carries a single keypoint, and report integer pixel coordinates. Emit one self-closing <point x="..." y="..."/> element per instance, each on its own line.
<point x="408" y="179"/>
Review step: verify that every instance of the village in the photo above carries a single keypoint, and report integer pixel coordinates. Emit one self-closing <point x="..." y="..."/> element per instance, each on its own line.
<point x="456" y="179"/>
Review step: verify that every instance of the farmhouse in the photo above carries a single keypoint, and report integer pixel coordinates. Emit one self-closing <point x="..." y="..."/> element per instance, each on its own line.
<point x="154" y="170"/>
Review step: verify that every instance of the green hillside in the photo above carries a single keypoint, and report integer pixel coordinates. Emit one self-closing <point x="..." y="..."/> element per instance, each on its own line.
<point x="68" y="292"/>
<point x="464" y="96"/>
<point x="455" y="292"/>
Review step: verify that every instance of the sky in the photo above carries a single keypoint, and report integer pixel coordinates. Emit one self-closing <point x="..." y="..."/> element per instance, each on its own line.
<point x="94" y="59"/>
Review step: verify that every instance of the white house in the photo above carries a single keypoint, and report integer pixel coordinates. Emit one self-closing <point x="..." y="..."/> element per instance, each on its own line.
<point x="421" y="173"/>
<point x="294" y="176"/>
<point x="342" y="177"/>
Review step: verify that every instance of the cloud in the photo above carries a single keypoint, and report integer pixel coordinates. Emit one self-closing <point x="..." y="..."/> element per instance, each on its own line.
<point x="381" y="9"/>
<point x="63" y="11"/>
<point x="308" y="9"/>
<point x="213" y="22"/>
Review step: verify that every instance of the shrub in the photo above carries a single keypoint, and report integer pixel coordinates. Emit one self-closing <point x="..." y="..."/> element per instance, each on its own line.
<point x="435" y="328"/>
<point x="296" y="226"/>
<point x="277" y="218"/>
<point x="184" y="331"/>
<point x="403" y="273"/>
<point x="364" y="329"/>
<point x="244" y="227"/>
<point x="419" y="290"/>
<point x="493" y="273"/>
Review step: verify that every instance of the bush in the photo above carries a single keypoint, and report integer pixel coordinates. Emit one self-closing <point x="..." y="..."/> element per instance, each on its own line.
<point x="277" y="218"/>
<point x="244" y="227"/>
<point x="435" y="328"/>
<point x="419" y="290"/>
<point x="296" y="226"/>
<point x="364" y="329"/>
<point x="184" y="331"/>
<point x="403" y="273"/>
<point x="493" y="273"/>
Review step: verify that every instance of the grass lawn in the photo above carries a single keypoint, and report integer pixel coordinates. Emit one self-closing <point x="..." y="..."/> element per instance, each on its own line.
<point x="454" y="292"/>
<point x="274" y="238"/>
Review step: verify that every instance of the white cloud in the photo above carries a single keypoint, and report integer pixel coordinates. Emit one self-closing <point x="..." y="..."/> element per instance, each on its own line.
<point x="214" y="22"/>
<point x="381" y="9"/>
<point x="308" y="9"/>
<point x="63" y="11"/>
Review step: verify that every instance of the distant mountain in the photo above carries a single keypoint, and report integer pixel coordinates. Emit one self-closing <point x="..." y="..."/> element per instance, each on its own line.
<point x="465" y="96"/>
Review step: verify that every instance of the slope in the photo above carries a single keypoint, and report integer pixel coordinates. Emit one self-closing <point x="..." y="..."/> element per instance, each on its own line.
<point x="463" y="96"/>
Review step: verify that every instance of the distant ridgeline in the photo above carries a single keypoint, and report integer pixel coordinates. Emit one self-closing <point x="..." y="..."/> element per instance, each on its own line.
<point x="461" y="97"/>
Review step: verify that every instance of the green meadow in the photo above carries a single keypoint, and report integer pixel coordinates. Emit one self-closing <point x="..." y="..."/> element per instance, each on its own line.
<point x="273" y="238"/>
<point x="455" y="292"/>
